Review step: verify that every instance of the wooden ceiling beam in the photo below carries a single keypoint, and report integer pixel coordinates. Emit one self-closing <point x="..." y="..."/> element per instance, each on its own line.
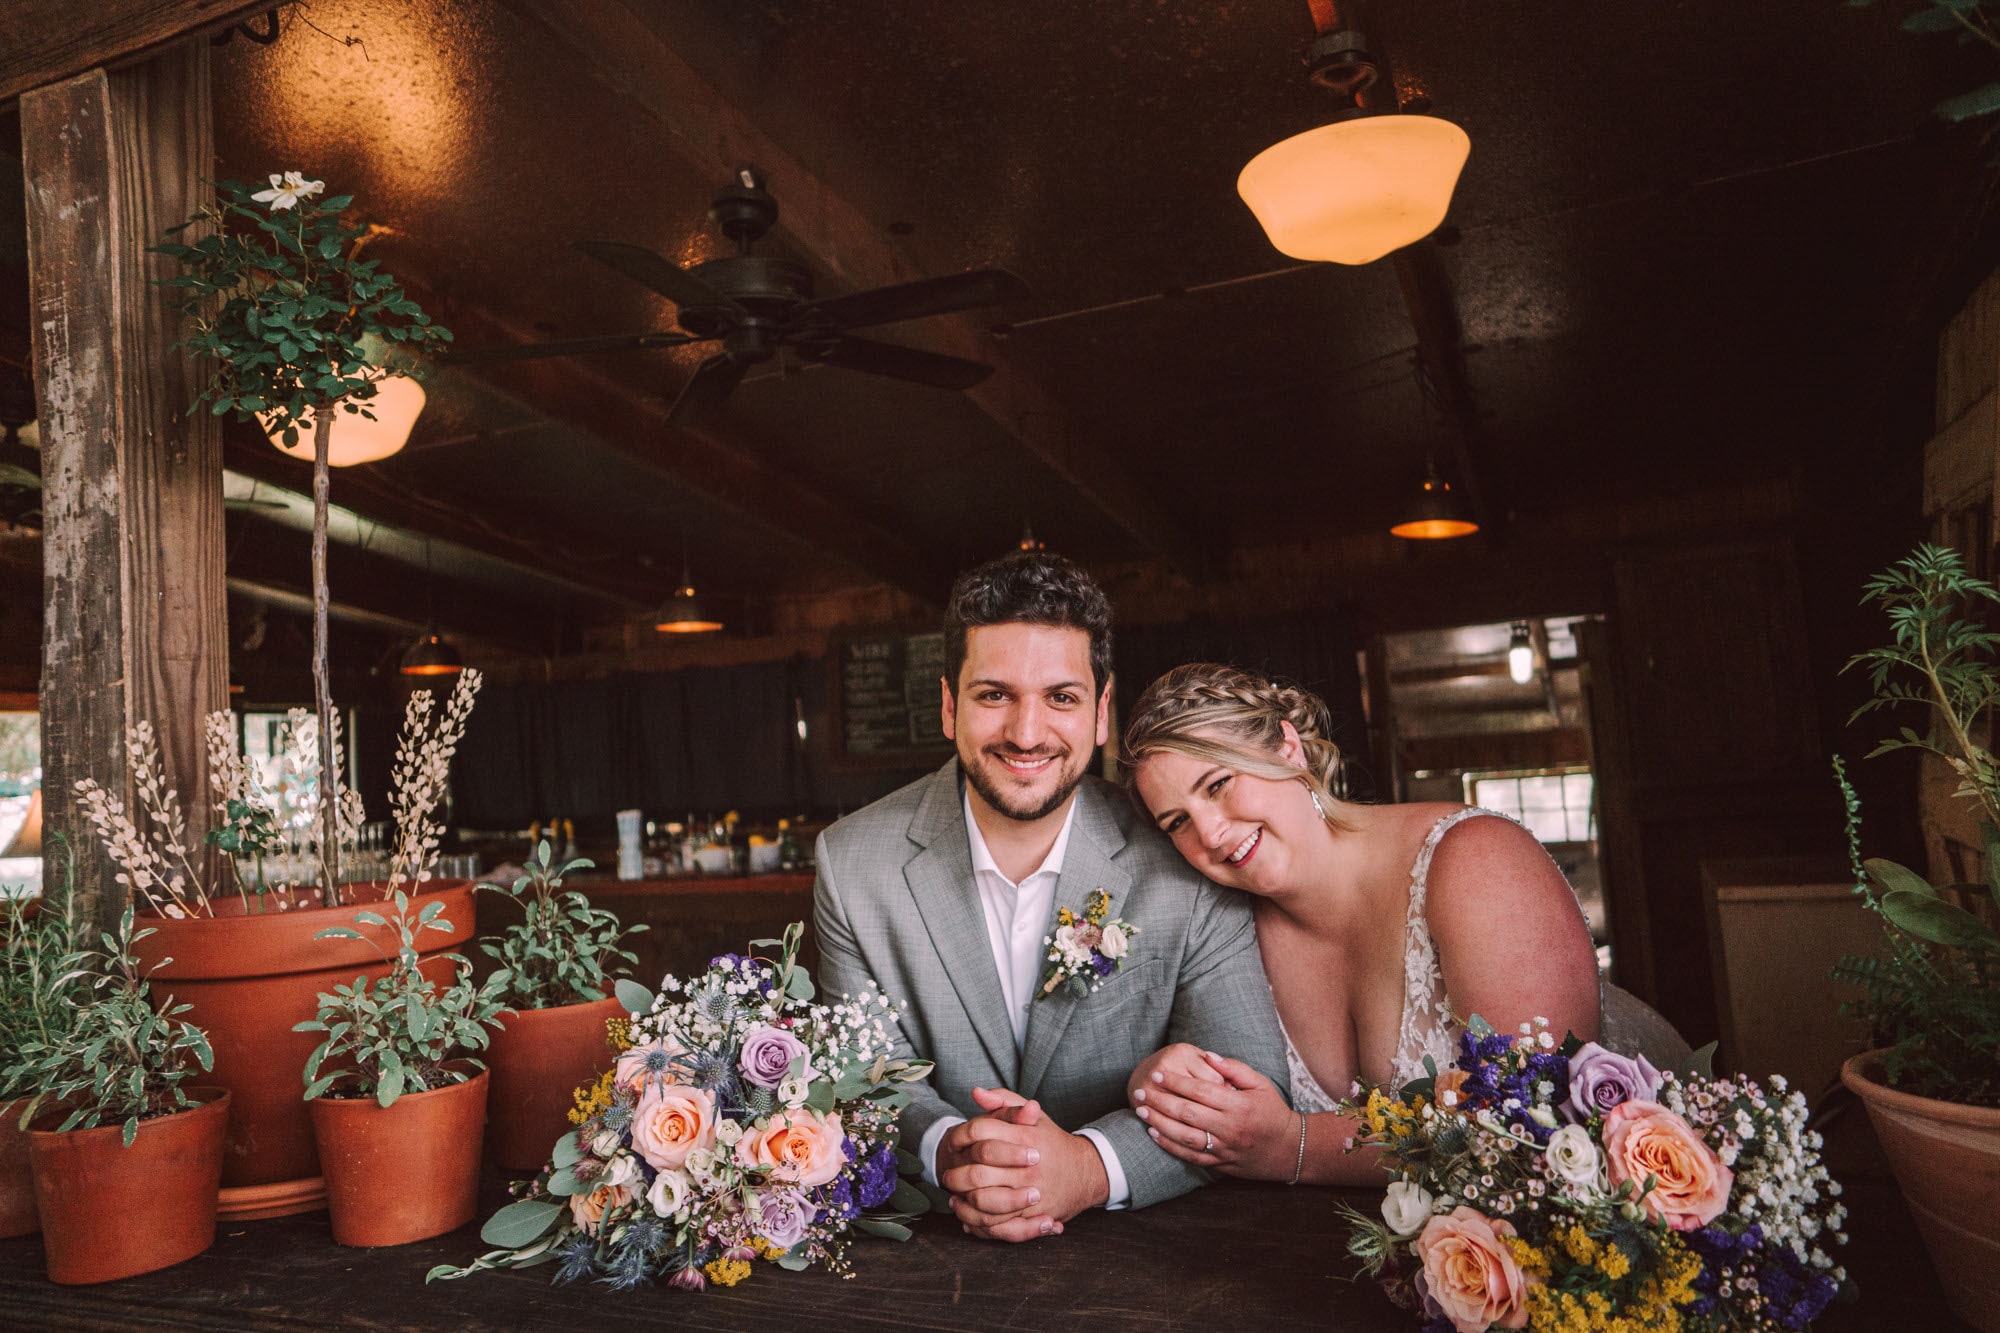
<point x="377" y="499"/>
<point x="719" y="138"/>
<point x="46" y="41"/>
<point x="567" y="390"/>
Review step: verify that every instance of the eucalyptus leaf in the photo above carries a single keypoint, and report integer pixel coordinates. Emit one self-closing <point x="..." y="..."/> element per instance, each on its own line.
<point x="568" y="1151"/>
<point x="636" y="998"/>
<point x="520" y="1223"/>
<point x="876" y="1226"/>
<point x="909" y="1199"/>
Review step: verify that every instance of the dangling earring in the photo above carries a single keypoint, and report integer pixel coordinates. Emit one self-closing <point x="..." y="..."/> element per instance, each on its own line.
<point x="1317" y="807"/>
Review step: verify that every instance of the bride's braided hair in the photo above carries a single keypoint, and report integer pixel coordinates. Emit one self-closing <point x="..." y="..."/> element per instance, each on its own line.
<point x="1222" y="715"/>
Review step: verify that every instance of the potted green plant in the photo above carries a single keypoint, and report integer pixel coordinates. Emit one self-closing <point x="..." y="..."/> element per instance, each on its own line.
<point x="126" y="1153"/>
<point x="38" y="995"/>
<point x="397" y="1099"/>
<point x="1931" y="997"/>
<point x="557" y="968"/>
<point x="252" y="964"/>
<point x="297" y="325"/>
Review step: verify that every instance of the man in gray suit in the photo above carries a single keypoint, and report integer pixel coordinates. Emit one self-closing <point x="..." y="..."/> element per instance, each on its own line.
<point x="945" y="893"/>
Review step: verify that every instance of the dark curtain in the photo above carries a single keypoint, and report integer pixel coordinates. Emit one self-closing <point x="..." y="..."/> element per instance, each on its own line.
<point x="1317" y="650"/>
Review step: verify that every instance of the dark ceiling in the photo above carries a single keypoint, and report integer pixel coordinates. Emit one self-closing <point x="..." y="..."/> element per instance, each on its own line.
<point x="1688" y="242"/>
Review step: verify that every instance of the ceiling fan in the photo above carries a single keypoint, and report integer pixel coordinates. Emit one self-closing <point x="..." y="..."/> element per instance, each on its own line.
<point x="754" y="305"/>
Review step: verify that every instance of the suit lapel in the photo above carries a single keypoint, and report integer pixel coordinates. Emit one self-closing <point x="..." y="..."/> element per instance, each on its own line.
<point x="1087" y="866"/>
<point x="947" y="897"/>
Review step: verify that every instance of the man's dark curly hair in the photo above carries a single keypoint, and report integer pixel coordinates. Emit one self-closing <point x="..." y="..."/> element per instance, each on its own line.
<point x="1028" y="587"/>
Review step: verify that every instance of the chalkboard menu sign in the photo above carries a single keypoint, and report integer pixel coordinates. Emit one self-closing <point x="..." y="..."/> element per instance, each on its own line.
<point x="888" y="691"/>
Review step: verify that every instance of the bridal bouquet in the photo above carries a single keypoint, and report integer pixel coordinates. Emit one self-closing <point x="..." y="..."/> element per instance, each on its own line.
<point x="1564" y="1187"/>
<point x="742" y="1121"/>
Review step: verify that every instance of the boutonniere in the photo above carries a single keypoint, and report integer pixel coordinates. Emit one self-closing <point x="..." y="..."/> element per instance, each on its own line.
<point x="1086" y="949"/>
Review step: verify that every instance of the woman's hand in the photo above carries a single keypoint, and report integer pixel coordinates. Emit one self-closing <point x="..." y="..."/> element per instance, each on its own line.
<point x="1181" y="1058"/>
<point x="1228" y="1117"/>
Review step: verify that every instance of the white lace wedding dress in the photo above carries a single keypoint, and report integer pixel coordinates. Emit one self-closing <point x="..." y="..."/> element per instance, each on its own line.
<point x="1431" y="1028"/>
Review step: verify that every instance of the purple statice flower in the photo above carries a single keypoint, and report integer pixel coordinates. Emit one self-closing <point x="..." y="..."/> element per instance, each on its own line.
<point x="1101" y="965"/>
<point x="877" y="1177"/>
<point x="1600" y="1080"/>
<point x="727" y="962"/>
<point x="1794" y="1295"/>
<point x="1718" y="1249"/>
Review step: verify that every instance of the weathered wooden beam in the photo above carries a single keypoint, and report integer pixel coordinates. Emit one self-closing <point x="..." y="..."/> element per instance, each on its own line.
<point x="593" y="401"/>
<point x="719" y="137"/>
<point x="133" y="605"/>
<point x="44" y="41"/>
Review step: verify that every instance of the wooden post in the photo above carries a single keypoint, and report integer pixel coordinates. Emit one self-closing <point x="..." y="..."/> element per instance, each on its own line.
<point x="135" y="615"/>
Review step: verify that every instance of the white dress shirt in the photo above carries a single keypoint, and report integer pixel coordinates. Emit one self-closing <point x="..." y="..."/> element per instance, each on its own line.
<point x="1018" y="918"/>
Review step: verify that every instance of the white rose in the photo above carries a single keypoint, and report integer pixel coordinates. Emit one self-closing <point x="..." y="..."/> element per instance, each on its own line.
<point x="794" y="1091"/>
<point x="607" y="1142"/>
<point x="727" y="1132"/>
<point x="1406" y="1207"/>
<point x="1573" y="1157"/>
<point x="1066" y="939"/>
<point x="624" y="1170"/>
<point x="701" y="1168"/>
<point x="669" y="1195"/>
<point x="1113" y="944"/>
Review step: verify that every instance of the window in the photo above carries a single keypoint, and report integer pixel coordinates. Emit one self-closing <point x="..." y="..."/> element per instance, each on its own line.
<point x="1554" y="804"/>
<point x="20" y="780"/>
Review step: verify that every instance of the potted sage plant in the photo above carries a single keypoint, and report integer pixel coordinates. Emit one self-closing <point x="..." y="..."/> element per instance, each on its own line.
<point x="1931" y="995"/>
<point x="126" y="1151"/>
<point x="397" y="1099"/>
<point x="558" y="965"/>
<point x="38" y="995"/>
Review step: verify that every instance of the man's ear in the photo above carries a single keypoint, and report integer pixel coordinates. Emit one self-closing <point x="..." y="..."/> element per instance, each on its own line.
<point x="1104" y="712"/>
<point x="948" y="709"/>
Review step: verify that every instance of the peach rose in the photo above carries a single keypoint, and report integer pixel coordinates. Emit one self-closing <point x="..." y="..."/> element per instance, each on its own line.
<point x="800" y="1146"/>
<point x="1469" y="1272"/>
<point x="589" y="1209"/>
<point x="1691" y="1185"/>
<point x="670" y="1122"/>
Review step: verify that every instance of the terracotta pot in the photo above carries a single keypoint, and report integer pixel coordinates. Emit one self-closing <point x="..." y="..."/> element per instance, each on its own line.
<point x="1947" y="1160"/>
<point x="405" y="1172"/>
<point x="17" y="1181"/>
<point x="109" y="1211"/>
<point x="538" y="1060"/>
<point x="251" y="977"/>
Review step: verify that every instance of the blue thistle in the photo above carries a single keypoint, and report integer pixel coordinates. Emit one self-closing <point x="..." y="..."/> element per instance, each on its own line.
<point x="576" y="1258"/>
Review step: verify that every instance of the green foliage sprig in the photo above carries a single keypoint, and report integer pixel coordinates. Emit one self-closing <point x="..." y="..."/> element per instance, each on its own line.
<point x="280" y="299"/>
<point x="120" y="1059"/>
<point x="400" y="1032"/>
<point x="1968" y="21"/>
<point x="39" y="991"/>
<point x="558" y="953"/>
<point x="1933" y="1000"/>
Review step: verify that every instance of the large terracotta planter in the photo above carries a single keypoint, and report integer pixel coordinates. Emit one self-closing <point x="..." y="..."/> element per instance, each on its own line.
<point x="405" y="1172"/>
<point x="249" y="979"/>
<point x="17" y="1181"/>
<point x="110" y="1211"/>
<point x="1947" y="1160"/>
<point x="538" y="1059"/>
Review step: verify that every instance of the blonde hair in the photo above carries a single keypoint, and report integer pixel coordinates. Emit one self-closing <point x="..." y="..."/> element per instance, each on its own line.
<point x="1221" y="715"/>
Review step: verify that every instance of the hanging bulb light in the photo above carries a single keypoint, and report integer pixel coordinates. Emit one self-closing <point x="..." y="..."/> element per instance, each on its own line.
<point x="684" y="612"/>
<point x="1434" y="512"/>
<point x="1029" y="541"/>
<point x="1363" y="185"/>
<point x="432" y="656"/>
<point x="397" y="401"/>
<point x="1520" y="655"/>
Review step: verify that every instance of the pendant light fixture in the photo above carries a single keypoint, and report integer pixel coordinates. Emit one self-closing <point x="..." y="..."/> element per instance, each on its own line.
<point x="1373" y="180"/>
<point x="1434" y="512"/>
<point x="684" y="612"/>
<point x="397" y="401"/>
<point x="431" y="655"/>
<point x="1520" y="654"/>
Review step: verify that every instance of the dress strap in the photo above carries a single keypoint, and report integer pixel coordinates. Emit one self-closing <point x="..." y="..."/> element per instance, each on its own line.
<point x="1428" y="1025"/>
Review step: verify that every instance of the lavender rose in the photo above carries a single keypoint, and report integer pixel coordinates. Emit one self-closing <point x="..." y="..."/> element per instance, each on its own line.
<point x="785" y="1214"/>
<point x="1600" y="1080"/>
<point x="767" y="1056"/>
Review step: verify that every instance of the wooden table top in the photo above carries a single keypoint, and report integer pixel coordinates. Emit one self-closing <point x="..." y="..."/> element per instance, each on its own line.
<point x="1231" y="1256"/>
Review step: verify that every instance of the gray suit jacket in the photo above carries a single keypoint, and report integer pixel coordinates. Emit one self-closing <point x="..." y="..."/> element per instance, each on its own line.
<point x="896" y="901"/>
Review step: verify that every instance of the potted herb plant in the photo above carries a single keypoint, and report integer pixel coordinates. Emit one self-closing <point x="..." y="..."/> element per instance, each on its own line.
<point x="251" y="964"/>
<point x="127" y="1155"/>
<point x="1932" y="996"/>
<point x="557" y="968"/>
<point x="397" y="1101"/>
<point x="294" y="322"/>
<point x="38" y="994"/>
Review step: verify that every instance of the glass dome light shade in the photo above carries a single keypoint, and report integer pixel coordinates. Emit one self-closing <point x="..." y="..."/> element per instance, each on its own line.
<point x="1352" y="191"/>
<point x="355" y="439"/>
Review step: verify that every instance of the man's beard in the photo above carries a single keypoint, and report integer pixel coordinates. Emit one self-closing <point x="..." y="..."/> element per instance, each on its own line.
<point x="976" y="775"/>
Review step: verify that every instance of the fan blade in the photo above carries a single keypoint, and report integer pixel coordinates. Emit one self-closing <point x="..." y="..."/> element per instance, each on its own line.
<point x="713" y="381"/>
<point x="914" y="300"/>
<point x="648" y="269"/>
<point x="477" y="356"/>
<point x="903" y="363"/>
